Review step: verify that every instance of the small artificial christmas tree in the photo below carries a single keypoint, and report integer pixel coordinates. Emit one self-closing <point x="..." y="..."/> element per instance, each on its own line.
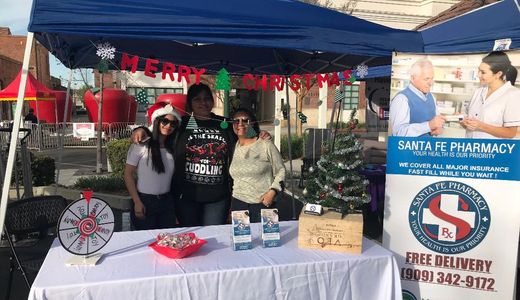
<point x="335" y="182"/>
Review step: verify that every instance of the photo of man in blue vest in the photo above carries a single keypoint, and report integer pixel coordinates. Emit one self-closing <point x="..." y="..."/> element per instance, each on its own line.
<point x="413" y="111"/>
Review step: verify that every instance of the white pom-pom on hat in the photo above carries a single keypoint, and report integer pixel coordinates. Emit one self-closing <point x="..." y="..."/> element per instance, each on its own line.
<point x="162" y="109"/>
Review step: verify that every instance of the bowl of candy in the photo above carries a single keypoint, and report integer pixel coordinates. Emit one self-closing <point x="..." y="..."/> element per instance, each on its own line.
<point x="177" y="245"/>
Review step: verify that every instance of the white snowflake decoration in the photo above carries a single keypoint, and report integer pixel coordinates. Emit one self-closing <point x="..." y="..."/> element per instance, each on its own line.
<point x="105" y="50"/>
<point x="362" y="70"/>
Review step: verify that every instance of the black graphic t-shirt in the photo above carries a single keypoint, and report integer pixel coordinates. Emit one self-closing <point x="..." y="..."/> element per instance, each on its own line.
<point x="206" y="157"/>
<point x="202" y="159"/>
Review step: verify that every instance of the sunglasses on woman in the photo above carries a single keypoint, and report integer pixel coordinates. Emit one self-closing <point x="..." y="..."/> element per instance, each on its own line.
<point x="172" y="123"/>
<point x="237" y="121"/>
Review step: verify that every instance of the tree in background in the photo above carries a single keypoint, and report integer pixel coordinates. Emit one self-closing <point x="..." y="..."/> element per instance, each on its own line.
<point x="301" y="93"/>
<point x="335" y="180"/>
<point x="347" y="8"/>
<point x="80" y="93"/>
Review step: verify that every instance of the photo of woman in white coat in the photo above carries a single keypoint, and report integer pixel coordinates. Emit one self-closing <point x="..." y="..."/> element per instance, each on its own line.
<point x="494" y="109"/>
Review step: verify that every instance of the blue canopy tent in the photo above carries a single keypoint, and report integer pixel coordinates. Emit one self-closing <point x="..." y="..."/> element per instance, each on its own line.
<point x="244" y="36"/>
<point x="477" y="30"/>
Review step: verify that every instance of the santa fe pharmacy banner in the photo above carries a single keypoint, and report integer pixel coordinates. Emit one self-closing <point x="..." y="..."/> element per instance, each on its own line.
<point x="452" y="216"/>
<point x="452" y="205"/>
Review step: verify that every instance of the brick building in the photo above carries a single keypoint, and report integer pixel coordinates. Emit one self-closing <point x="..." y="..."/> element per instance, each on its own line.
<point x="12" y="48"/>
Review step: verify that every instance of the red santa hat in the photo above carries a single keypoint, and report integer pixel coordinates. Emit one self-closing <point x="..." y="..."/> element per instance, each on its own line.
<point x="162" y="109"/>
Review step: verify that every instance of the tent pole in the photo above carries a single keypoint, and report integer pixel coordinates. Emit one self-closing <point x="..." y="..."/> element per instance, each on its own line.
<point x="99" y="150"/>
<point x="16" y="129"/>
<point x="61" y="131"/>
<point x="289" y="142"/>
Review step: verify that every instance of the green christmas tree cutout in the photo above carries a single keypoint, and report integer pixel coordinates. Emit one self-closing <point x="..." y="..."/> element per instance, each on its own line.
<point x="223" y="80"/>
<point x="251" y="132"/>
<point x="103" y="66"/>
<point x="335" y="181"/>
<point x="192" y="123"/>
<point x="141" y="97"/>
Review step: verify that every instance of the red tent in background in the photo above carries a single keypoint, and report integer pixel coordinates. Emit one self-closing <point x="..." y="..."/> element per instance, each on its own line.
<point x="34" y="90"/>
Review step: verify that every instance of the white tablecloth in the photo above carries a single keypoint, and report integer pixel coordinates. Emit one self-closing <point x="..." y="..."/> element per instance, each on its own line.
<point x="132" y="270"/>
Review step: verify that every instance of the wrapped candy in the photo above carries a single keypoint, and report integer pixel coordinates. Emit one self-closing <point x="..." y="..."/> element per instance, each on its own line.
<point x="176" y="241"/>
<point x="177" y="245"/>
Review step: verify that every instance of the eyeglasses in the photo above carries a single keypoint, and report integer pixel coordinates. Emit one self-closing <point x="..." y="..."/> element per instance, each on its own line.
<point x="241" y="121"/>
<point x="165" y="122"/>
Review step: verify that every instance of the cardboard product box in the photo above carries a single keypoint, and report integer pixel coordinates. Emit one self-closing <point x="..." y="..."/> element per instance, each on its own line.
<point x="331" y="231"/>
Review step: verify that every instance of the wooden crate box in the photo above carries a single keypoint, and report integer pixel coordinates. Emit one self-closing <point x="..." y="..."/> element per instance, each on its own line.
<point x="331" y="231"/>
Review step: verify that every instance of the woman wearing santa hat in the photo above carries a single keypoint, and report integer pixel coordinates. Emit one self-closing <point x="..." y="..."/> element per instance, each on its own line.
<point x="153" y="163"/>
<point x="203" y="153"/>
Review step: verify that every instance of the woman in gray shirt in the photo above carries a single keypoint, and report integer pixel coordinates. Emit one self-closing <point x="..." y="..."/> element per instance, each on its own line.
<point x="257" y="167"/>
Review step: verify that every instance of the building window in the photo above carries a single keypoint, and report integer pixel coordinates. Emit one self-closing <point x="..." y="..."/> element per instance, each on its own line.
<point x="351" y="100"/>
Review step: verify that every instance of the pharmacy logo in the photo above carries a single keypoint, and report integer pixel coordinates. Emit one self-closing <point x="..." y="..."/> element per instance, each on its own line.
<point x="449" y="217"/>
<point x="407" y="295"/>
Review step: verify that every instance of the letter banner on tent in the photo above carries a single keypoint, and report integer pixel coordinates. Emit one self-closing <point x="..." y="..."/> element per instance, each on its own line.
<point x="452" y="203"/>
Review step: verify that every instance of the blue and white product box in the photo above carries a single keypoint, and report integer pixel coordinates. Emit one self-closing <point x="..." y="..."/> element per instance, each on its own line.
<point x="270" y="228"/>
<point x="241" y="230"/>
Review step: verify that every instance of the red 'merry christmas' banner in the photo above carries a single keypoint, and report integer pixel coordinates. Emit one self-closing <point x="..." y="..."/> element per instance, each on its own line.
<point x="154" y="67"/>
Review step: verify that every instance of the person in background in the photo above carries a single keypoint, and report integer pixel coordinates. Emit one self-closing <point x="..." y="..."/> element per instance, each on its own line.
<point x="257" y="167"/>
<point x="153" y="163"/>
<point x="201" y="184"/>
<point x="413" y="111"/>
<point x="494" y="109"/>
<point x="30" y="117"/>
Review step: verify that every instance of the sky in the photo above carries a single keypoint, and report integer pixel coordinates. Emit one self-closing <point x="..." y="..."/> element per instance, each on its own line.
<point x="15" y="15"/>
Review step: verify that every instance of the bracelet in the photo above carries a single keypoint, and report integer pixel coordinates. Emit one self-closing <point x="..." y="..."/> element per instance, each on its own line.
<point x="275" y="191"/>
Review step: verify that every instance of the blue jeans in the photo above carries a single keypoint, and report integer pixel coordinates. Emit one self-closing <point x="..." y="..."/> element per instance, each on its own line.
<point x="160" y="212"/>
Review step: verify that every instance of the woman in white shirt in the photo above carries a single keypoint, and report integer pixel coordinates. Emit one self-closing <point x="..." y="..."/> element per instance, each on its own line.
<point x="153" y="204"/>
<point x="494" y="110"/>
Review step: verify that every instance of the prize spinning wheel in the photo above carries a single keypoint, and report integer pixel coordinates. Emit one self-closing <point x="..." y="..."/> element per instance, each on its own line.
<point x="86" y="225"/>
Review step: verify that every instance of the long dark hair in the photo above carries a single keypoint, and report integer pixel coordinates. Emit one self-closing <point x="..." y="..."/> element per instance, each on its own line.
<point x="252" y="118"/>
<point x="154" y="147"/>
<point x="193" y="91"/>
<point x="498" y="61"/>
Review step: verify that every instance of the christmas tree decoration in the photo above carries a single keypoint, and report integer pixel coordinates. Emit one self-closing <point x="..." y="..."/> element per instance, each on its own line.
<point x="141" y="97"/>
<point x="223" y="80"/>
<point x="311" y="169"/>
<point x="224" y="124"/>
<point x="339" y="93"/>
<point x="305" y="192"/>
<point x="276" y="122"/>
<point x="336" y="182"/>
<point x="192" y="123"/>
<point x="102" y="66"/>
<point x="352" y="78"/>
<point x="303" y="118"/>
<point x="251" y="132"/>
<point x="362" y="70"/>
